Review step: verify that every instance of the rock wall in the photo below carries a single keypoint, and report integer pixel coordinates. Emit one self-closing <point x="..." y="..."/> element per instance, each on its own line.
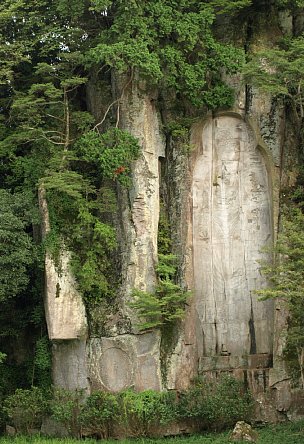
<point x="126" y="357"/>
<point x="222" y="196"/>
<point x="232" y="222"/>
<point x="65" y="315"/>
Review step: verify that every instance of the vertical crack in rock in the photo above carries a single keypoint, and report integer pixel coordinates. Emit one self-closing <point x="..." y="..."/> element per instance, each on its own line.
<point x="253" y="347"/>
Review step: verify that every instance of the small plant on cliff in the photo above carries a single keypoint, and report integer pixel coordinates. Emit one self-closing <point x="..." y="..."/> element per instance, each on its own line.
<point x="279" y="72"/>
<point x="65" y="408"/>
<point x="167" y="303"/>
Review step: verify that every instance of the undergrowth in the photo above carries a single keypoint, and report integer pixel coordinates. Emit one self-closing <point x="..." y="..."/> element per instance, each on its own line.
<point x="286" y="433"/>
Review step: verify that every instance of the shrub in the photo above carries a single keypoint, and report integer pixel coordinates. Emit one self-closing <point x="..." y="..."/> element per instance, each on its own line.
<point x="167" y="304"/>
<point x="26" y="409"/>
<point x="99" y="413"/>
<point x="65" y="408"/>
<point x="216" y="403"/>
<point x="144" y="411"/>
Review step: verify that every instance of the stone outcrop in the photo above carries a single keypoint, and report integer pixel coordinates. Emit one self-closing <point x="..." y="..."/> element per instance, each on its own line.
<point x="232" y="222"/>
<point x="243" y="432"/>
<point x="125" y="361"/>
<point x="64" y="308"/>
<point x="65" y="315"/>
<point x="129" y="358"/>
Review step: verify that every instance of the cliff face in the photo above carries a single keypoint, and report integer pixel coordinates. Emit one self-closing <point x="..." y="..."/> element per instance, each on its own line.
<point x="222" y="197"/>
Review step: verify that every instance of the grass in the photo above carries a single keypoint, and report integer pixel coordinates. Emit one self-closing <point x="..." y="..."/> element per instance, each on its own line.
<point x="287" y="433"/>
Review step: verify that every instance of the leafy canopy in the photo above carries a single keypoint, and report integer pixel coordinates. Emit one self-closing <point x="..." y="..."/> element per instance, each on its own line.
<point x="15" y="244"/>
<point x="279" y="72"/>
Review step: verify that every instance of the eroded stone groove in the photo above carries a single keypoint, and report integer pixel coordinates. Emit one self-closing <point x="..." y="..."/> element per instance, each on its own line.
<point x="232" y="222"/>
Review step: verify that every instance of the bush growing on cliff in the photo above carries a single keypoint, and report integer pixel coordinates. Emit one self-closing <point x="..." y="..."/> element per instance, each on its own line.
<point x="167" y="303"/>
<point x="99" y="413"/>
<point x="209" y="404"/>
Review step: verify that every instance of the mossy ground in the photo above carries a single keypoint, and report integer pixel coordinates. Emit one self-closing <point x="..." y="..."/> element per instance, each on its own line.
<point x="287" y="433"/>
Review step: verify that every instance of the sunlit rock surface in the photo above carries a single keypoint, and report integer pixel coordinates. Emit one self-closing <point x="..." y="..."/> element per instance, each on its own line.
<point x="232" y="223"/>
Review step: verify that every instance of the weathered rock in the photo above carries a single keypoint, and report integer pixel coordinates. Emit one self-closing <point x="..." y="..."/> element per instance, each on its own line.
<point x="70" y="365"/>
<point x="10" y="431"/>
<point x="65" y="314"/>
<point x="140" y="209"/>
<point x="64" y="307"/>
<point x="265" y="410"/>
<point x="231" y="224"/>
<point x="125" y="358"/>
<point x="125" y="361"/>
<point x="243" y="432"/>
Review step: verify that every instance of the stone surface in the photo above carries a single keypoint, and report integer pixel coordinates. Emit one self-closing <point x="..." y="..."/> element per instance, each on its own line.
<point x="243" y="432"/>
<point x="125" y="361"/>
<point x="232" y="222"/>
<point x="69" y="364"/>
<point x="64" y="308"/>
<point x="140" y="209"/>
<point x="10" y="431"/>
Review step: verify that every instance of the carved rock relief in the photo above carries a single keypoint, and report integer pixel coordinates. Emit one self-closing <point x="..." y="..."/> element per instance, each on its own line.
<point x="232" y="222"/>
<point x="125" y="361"/>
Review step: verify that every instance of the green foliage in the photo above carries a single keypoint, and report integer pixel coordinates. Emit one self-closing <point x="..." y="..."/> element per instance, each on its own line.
<point x="286" y="277"/>
<point x="164" y="242"/>
<point x="216" y="403"/>
<point x="16" y="245"/>
<point x="290" y="3"/>
<point x="289" y="432"/>
<point x="99" y="413"/>
<point x="65" y="407"/>
<point x="42" y="363"/>
<point x="279" y="72"/>
<point x="167" y="304"/>
<point x="171" y="44"/>
<point x="26" y="409"/>
<point x="111" y="152"/>
<point x="144" y="411"/>
<point x="224" y="7"/>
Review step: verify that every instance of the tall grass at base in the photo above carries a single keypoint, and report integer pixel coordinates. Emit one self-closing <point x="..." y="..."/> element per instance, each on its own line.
<point x="286" y="433"/>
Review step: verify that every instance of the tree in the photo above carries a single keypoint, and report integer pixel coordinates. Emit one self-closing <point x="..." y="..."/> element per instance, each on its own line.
<point x="15" y="243"/>
<point x="286" y="279"/>
<point x="279" y="72"/>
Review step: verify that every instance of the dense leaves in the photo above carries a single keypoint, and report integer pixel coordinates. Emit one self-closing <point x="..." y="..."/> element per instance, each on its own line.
<point x="170" y="44"/>
<point x="279" y="72"/>
<point x="167" y="303"/>
<point x="286" y="277"/>
<point x="16" y="245"/>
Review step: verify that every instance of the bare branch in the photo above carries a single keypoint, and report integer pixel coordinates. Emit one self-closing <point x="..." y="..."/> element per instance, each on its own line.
<point x="105" y="114"/>
<point x="113" y="103"/>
